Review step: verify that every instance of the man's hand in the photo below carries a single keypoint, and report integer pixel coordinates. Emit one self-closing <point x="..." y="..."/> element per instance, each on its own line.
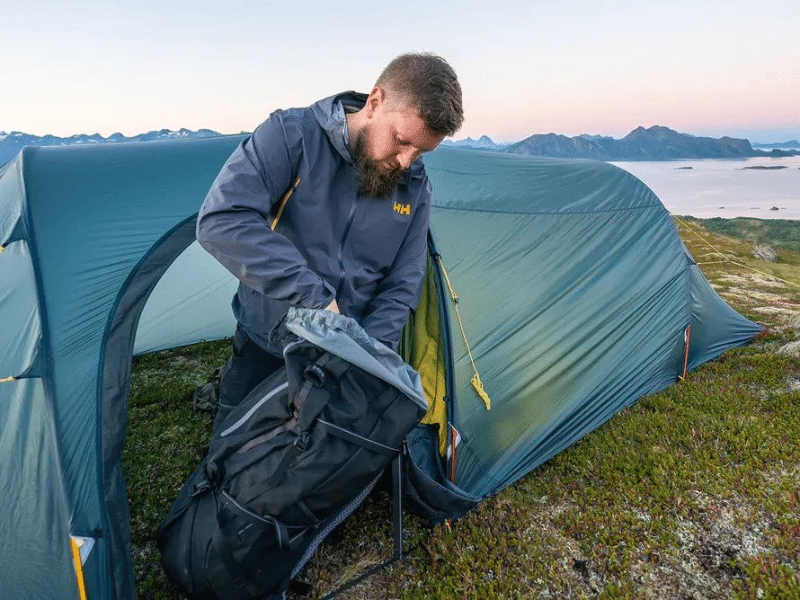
<point x="333" y="307"/>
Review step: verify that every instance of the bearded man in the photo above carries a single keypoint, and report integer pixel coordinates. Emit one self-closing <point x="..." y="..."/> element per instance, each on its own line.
<point x="327" y="207"/>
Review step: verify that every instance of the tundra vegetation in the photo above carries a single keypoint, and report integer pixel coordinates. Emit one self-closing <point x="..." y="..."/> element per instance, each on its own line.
<point x="693" y="492"/>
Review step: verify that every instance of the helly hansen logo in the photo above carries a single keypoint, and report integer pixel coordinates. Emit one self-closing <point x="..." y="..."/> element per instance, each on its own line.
<point x="402" y="209"/>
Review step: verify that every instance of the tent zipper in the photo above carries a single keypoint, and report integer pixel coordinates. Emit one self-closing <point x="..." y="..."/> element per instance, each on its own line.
<point x="444" y="319"/>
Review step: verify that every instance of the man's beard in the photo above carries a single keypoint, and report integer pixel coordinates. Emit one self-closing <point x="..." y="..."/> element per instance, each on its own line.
<point x="373" y="181"/>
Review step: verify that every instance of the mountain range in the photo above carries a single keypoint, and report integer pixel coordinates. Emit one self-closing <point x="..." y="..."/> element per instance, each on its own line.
<point x="11" y="143"/>
<point x="653" y="143"/>
<point x="482" y="143"/>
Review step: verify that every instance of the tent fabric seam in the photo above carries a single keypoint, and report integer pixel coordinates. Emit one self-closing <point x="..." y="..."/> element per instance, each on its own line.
<point x="543" y="212"/>
<point x="44" y="337"/>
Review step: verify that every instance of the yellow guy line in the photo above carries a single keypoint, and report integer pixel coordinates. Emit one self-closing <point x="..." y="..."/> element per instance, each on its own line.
<point x="476" y="379"/>
<point x="7" y="379"/>
<point x="727" y="260"/>
<point x="78" y="566"/>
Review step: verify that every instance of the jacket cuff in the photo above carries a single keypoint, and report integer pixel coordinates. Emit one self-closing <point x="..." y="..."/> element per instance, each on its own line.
<point x="322" y="299"/>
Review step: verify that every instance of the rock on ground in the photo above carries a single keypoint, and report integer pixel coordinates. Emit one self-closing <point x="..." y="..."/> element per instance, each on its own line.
<point x="790" y="349"/>
<point x="765" y="252"/>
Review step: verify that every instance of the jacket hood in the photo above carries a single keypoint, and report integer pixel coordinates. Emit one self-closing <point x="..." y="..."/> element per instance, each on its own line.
<point x="330" y="114"/>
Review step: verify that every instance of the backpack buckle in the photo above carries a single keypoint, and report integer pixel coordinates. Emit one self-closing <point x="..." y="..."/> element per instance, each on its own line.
<point x="314" y="374"/>
<point x="302" y="441"/>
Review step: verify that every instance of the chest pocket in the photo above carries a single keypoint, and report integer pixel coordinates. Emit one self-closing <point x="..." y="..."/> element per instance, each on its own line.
<point x="282" y="204"/>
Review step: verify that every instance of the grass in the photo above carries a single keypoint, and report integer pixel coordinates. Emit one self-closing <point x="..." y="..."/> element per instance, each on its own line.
<point x="693" y="492"/>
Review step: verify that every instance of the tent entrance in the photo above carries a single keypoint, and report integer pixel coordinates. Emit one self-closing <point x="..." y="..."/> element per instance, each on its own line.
<point x="429" y="488"/>
<point x="425" y="345"/>
<point x="113" y="387"/>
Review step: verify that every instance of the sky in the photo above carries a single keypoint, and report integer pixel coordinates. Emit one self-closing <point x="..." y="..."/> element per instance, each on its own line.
<point x="703" y="67"/>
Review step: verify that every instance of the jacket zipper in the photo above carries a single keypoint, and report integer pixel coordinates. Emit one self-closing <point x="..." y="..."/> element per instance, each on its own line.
<point x="350" y="219"/>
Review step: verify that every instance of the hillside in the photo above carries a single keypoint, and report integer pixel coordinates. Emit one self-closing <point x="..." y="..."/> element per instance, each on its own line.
<point x="775" y="232"/>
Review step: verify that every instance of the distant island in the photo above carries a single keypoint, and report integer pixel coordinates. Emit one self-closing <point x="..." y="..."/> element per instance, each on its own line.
<point x="653" y="143"/>
<point x="791" y="144"/>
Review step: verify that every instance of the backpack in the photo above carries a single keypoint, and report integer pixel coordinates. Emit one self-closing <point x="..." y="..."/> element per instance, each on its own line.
<point x="300" y="452"/>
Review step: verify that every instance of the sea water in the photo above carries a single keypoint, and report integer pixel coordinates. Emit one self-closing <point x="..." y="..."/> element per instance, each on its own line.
<point x="724" y="187"/>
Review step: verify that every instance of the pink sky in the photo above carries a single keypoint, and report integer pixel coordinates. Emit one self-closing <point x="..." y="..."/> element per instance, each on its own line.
<point x="702" y="67"/>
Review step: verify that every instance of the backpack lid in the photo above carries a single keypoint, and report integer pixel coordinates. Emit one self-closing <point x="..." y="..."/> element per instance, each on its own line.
<point x="345" y="338"/>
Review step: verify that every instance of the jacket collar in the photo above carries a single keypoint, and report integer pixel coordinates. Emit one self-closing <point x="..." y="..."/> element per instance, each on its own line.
<point x="330" y="113"/>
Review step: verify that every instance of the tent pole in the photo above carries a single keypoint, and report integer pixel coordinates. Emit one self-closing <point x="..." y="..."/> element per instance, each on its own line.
<point x="397" y="504"/>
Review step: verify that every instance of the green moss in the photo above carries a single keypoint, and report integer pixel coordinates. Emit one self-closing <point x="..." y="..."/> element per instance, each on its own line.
<point x="766" y="577"/>
<point x="776" y="232"/>
<point x="164" y="442"/>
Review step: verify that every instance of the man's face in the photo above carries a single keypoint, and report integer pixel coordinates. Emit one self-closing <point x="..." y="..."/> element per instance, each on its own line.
<point x="393" y="138"/>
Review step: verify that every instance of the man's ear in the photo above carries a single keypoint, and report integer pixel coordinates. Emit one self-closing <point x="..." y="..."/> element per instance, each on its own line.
<point x="376" y="98"/>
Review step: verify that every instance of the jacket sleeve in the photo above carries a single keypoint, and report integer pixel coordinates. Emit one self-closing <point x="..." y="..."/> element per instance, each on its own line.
<point x="234" y="221"/>
<point x="399" y="291"/>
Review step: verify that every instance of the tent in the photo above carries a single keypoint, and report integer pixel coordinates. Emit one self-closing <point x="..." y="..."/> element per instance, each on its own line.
<point x="575" y="298"/>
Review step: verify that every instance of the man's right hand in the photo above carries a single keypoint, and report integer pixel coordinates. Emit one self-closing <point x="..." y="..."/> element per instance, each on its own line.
<point x="333" y="307"/>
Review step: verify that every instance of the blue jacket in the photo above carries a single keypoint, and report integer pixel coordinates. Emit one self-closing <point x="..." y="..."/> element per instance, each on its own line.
<point x="330" y="242"/>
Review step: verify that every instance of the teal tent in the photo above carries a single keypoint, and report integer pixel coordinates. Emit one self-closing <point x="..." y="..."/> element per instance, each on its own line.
<point x="575" y="297"/>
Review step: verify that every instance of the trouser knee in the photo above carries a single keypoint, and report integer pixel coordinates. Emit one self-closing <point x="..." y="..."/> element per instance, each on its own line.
<point x="248" y="365"/>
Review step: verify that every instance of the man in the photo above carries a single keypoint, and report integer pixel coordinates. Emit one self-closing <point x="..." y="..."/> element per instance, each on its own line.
<point x="351" y="237"/>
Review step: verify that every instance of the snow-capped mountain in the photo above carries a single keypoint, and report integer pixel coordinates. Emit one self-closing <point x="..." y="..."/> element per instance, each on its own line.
<point x="482" y="143"/>
<point x="11" y="143"/>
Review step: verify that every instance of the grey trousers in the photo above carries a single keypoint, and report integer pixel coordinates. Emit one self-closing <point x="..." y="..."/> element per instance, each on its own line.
<point x="248" y="365"/>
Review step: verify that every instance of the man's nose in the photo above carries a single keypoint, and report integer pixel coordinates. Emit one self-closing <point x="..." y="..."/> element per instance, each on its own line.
<point x="406" y="157"/>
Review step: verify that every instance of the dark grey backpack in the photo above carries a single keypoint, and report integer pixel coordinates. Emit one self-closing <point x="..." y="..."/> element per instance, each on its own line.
<point x="289" y="463"/>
